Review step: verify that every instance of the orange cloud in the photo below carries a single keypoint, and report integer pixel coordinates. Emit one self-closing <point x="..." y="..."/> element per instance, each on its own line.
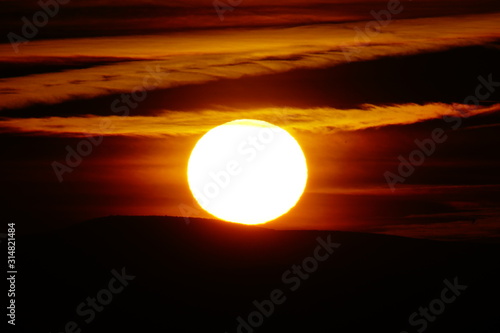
<point x="202" y="56"/>
<point x="173" y="123"/>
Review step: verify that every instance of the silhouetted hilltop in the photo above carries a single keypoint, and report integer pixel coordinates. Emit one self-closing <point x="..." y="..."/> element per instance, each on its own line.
<point x="202" y="275"/>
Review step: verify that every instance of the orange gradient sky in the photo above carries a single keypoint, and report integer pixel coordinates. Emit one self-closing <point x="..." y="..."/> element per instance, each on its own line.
<point x="354" y="104"/>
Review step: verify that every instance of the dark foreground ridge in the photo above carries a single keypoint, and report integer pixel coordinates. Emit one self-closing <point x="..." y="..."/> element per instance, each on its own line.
<point x="160" y="274"/>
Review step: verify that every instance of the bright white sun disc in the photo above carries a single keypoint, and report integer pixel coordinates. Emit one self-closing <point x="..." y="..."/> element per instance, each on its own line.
<point x="247" y="171"/>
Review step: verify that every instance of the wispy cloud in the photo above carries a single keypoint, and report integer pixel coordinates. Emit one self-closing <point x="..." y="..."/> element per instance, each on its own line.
<point x="317" y="120"/>
<point x="98" y="18"/>
<point x="462" y="228"/>
<point x="202" y="56"/>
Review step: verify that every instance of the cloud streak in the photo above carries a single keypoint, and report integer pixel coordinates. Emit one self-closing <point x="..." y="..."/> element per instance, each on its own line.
<point x="98" y="18"/>
<point x="203" y="56"/>
<point x="174" y="123"/>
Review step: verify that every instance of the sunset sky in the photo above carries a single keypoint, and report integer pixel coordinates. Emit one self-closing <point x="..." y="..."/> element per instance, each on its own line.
<point x="144" y="80"/>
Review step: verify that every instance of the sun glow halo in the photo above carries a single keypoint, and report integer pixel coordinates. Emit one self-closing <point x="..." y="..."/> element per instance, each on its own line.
<point x="247" y="171"/>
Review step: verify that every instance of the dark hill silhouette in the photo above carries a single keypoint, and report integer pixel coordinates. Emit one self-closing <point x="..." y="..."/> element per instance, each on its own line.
<point x="199" y="277"/>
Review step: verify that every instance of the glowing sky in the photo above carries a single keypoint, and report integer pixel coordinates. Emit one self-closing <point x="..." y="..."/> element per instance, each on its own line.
<point x="354" y="103"/>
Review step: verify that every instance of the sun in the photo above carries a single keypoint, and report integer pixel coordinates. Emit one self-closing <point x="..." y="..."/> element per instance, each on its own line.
<point x="247" y="171"/>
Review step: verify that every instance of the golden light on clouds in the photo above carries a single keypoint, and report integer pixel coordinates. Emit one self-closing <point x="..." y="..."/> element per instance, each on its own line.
<point x="174" y="123"/>
<point x="202" y="56"/>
